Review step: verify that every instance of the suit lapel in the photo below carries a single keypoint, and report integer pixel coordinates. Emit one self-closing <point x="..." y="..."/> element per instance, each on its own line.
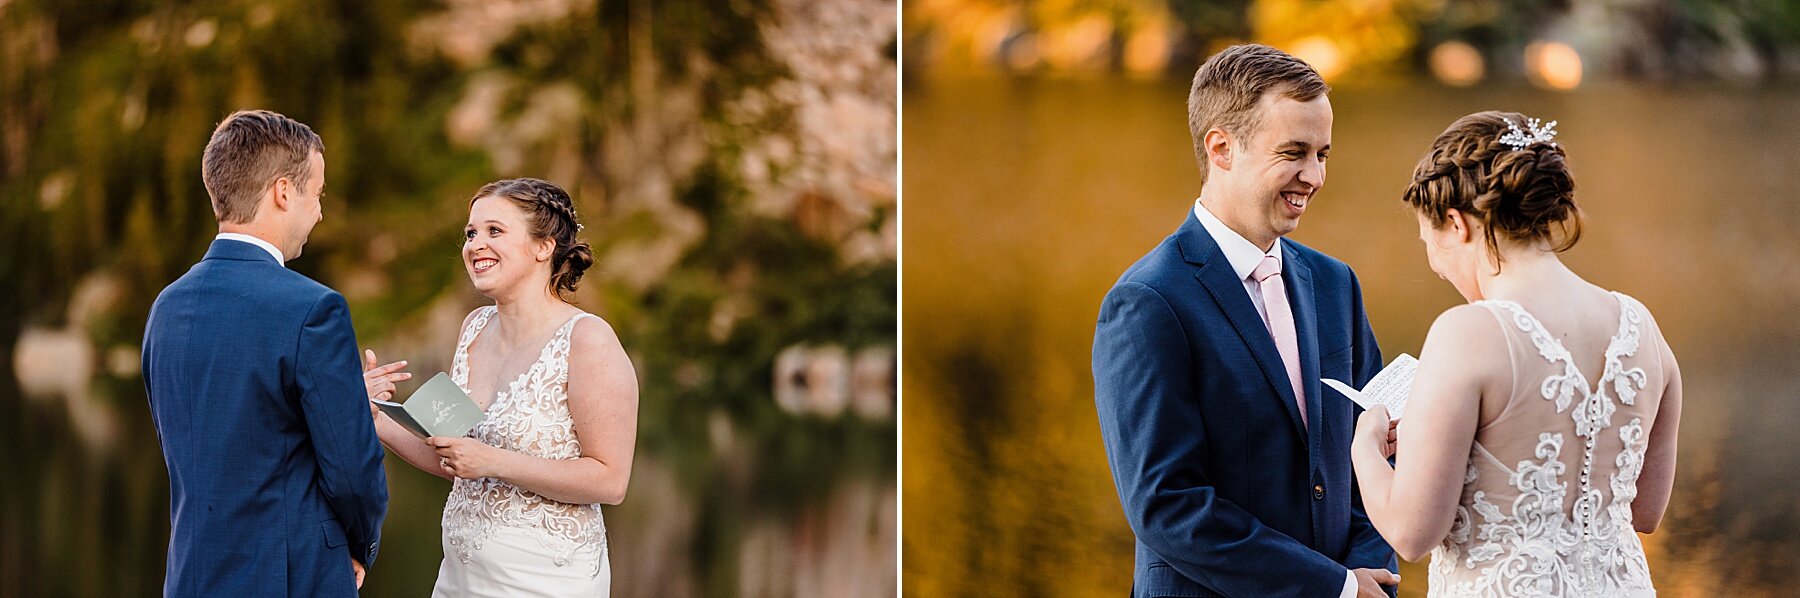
<point x="1298" y="278"/>
<point x="1214" y="272"/>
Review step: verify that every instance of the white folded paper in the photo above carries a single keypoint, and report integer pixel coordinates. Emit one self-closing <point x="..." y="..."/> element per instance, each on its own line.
<point x="1389" y="388"/>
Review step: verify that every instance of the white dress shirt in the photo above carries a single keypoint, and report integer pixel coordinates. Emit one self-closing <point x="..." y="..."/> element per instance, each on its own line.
<point x="1240" y="253"/>
<point x="265" y="245"/>
<point x="1244" y="257"/>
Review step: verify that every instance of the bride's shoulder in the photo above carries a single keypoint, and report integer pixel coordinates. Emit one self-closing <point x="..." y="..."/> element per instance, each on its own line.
<point x="1643" y="315"/>
<point x="1468" y="339"/>
<point x="1470" y="327"/>
<point x="595" y="350"/>
<point x="1631" y="303"/>
<point x="592" y="332"/>
<point x="1477" y="316"/>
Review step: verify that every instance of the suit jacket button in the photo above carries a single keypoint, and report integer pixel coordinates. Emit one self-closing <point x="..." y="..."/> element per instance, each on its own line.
<point x="1318" y="492"/>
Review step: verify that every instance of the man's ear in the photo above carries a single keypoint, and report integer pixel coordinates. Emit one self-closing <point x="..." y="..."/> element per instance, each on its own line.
<point x="1218" y="148"/>
<point x="281" y="190"/>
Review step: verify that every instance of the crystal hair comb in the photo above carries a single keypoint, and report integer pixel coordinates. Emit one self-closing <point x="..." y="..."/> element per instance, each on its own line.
<point x="1519" y="140"/>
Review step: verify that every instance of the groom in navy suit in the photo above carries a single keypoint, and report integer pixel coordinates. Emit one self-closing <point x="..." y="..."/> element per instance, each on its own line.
<point x="275" y="478"/>
<point x="1231" y="462"/>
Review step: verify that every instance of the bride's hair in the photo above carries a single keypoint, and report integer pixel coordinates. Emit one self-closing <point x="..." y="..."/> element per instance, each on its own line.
<point x="1525" y="193"/>
<point x="552" y="216"/>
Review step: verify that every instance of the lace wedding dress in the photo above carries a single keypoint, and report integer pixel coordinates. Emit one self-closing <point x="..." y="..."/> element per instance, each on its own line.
<point x="1546" y="502"/>
<point x="500" y="540"/>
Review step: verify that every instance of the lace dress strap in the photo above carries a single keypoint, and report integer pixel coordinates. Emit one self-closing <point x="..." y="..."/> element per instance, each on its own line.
<point x="565" y="339"/>
<point x="459" y="363"/>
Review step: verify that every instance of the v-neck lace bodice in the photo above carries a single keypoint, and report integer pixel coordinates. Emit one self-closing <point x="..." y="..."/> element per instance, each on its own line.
<point x="1524" y="528"/>
<point x="528" y="415"/>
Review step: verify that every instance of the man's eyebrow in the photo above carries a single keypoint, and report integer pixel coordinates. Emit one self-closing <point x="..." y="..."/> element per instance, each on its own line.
<point x="1297" y="144"/>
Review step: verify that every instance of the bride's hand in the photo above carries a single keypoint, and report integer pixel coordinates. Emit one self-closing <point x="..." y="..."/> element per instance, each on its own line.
<point x="466" y="458"/>
<point x="379" y="381"/>
<point x="1374" y="431"/>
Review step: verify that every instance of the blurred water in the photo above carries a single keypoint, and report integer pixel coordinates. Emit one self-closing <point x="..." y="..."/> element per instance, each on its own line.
<point x="76" y="521"/>
<point x="1025" y="199"/>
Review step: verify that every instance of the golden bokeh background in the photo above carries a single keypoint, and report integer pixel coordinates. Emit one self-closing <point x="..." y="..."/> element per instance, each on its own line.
<point x="1046" y="150"/>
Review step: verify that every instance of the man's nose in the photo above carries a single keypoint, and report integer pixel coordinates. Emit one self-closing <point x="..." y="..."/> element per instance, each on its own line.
<point x="1313" y="173"/>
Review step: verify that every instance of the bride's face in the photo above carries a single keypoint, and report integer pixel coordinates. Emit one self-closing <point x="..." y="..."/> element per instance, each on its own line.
<point x="498" y="251"/>
<point x="1453" y="252"/>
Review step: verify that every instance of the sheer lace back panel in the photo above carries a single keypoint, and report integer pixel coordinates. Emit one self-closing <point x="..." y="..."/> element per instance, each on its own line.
<point x="529" y="415"/>
<point x="1546" y="503"/>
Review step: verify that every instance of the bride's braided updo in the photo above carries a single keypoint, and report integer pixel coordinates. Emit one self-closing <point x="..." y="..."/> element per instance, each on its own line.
<point x="551" y="214"/>
<point x="1525" y="193"/>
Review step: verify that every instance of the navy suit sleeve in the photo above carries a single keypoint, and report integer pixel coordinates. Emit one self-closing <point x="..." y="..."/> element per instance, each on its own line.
<point x="1368" y="550"/>
<point x="335" y="404"/>
<point x="1146" y="395"/>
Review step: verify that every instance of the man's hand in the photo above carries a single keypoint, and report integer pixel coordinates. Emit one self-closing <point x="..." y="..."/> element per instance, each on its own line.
<point x="1369" y="582"/>
<point x="358" y="566"/>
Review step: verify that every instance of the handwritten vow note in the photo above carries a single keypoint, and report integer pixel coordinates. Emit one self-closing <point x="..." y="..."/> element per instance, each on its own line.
<point x="1388" y="389"/>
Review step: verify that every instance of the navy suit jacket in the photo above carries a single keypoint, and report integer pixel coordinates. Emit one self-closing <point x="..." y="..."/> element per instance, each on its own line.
<point x="1227" y="492"/>
<point x="275" y="475"/>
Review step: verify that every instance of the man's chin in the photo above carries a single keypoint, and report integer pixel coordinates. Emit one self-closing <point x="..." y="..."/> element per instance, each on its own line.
<point x="1286" y="226"/>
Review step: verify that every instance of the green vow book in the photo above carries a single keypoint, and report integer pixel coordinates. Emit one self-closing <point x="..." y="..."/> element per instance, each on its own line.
<point x="438" y="408"/>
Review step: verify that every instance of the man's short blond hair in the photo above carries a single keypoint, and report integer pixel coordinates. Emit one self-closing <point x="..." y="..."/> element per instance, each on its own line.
<point x="1230" y="83"/>
<point x="249" y="151"/>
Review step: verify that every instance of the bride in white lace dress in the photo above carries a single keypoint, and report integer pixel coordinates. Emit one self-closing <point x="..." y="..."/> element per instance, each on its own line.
<point x="523" y="516"/>
<point x="1539" y="438"/>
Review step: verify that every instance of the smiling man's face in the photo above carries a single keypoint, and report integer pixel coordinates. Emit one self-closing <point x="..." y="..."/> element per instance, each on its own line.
<point x="1277" y="171"/>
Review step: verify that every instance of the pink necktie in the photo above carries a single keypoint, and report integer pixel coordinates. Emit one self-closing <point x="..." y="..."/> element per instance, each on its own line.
<point x="1280" y="320"/>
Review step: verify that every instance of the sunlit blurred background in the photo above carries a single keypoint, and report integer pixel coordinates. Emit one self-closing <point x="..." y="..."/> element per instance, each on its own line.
<point x="1046" y="150"/>
<point x="735" y="165"/>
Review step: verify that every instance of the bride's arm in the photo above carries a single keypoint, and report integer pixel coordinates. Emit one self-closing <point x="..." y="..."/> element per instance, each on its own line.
<point x="1414" y="504"/>
<point x="379" y="381"/>
<point x="410" y="448"/>
<point x="603" y="401"/>
<point x="1658" y="477"/>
